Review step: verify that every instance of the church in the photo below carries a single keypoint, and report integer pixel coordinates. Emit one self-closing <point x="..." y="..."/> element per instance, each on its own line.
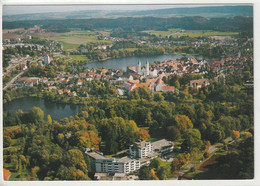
<point x="143" y="70"/>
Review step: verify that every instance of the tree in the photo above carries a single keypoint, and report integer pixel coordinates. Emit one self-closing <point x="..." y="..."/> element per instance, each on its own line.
<point x="153" y="175"/>
<point x="183" y="122"/>
<point x="157" y="96"/>
<point x="36" y="114"/>
<point x="7" y="141"/>
<point x="142" y="134"/>
<point x="34" y="172"/>
<point x="173" y="133"/>
<point x="192" y="140"/>
<point x="49" y="120"/>
<point x="144" y="173"/>
<point x="175" y="165"/>
<point x="236" y="134"/>
<point x="246" y="75"/>
<point x="74" y="157"/>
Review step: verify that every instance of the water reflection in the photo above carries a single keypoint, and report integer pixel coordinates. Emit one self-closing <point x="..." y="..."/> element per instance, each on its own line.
<point x="56" y="110"/>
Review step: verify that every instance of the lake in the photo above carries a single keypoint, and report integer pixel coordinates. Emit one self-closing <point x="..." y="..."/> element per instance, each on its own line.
<point x="122" y="63"/>
<point x="56" y="110"/>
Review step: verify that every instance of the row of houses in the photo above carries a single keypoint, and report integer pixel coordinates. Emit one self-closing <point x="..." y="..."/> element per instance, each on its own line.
<point x="155" y="84"/>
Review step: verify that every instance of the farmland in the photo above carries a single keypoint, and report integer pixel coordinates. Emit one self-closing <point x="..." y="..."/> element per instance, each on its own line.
<point x="191" y="33"/>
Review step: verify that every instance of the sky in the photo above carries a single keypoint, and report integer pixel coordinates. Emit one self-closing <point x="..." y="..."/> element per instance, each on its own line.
<point x="14" y="10"/>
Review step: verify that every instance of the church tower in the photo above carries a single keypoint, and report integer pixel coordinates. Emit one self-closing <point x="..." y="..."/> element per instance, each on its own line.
<point x="139" y="70"/>
<point x="147" y="68"/>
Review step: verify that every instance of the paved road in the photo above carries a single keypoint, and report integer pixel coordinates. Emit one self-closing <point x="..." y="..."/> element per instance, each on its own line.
<point x="12" y="81"/>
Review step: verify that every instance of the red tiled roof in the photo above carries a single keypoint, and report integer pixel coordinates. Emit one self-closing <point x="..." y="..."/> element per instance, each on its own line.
<point x="199" y="81"/>
<point x="168" y="88"/>
<point x="149" y="81"/>
<point x="133" y="81"/>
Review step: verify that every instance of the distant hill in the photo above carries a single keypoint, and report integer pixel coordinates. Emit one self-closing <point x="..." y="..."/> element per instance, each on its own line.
<point x="215" y="11"/>
<point x="208" y="12"/>
<point x="237" y="23"/>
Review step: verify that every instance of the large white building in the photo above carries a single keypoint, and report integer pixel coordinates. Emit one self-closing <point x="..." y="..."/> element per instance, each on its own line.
<point x="46" y="59"/>
<point x="140" y="149"/>
<point x="100" y="163"/>
<point x="140" y="154"/>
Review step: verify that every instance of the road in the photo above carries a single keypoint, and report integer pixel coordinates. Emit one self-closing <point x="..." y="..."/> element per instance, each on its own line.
<point x="188" y="166"/>
<point x="12" y="81"/>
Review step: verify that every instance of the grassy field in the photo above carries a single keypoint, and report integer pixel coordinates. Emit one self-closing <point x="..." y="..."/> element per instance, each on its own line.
<point x="162" y="33"/>
<point x="192" y="34"/>
<point x="81" y="32"/>
<point x="73" y="42"/>
<point x="77" y="58"/>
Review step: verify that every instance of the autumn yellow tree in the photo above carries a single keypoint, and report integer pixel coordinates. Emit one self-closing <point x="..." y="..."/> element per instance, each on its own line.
<point x="153" y="175"/>
<point x="236" y="134"/>
<point x="142" y="134"/>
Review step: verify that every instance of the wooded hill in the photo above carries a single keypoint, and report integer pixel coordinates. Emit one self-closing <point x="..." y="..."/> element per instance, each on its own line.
<point x="137" y="24"/>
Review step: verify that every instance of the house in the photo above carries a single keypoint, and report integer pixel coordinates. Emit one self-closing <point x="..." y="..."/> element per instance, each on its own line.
<point x="73" y="93"/>
<point x="82" y="75"/>
<point x="23" y="66"/>
<point x="140" y="85"/>
<point x="198" y="83"/>
<point x="140" y="149"/>
<point x="44" y="80"/>
<point x="91" y="73"/>
<point x="89" y="78"/>
<point x="79" y="82"/>
<point x="30" y="82"/>
<point x="67" y="91"/>
<point x="130" y="83"/>
<point x="28" y="37"/>
<point x="158" y="85"/>
<point x="70" y="76"/>
<point x="60" y="92"/>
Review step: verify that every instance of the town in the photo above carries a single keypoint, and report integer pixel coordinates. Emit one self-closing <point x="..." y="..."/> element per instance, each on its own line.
<point x="129" y="98"/>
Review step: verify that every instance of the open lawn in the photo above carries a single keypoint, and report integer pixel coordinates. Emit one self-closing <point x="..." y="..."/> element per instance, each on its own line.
<point x="77" y="58"/>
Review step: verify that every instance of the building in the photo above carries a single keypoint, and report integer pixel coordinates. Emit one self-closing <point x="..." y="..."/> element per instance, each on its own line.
<point x="28" y="37"/>
<point x="140" y="149"/>
<point x="163" y="146"/>
<point x="198" y="83"/>
<point x="100" y="163"/>
<point x="46" y="59"/>
<point x="140" y="154"/>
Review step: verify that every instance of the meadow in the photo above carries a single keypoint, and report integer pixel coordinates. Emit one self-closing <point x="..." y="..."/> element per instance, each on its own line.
<point x="74" y="41"/>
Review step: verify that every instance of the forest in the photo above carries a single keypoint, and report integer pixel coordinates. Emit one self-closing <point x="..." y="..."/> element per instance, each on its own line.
<point x="138" y="24"/>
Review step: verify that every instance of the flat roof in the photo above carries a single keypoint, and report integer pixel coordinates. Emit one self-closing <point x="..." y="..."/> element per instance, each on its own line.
<point x="161" y="143"/>
<point x="124" y="159"/>
<point x="96" y="155"/>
